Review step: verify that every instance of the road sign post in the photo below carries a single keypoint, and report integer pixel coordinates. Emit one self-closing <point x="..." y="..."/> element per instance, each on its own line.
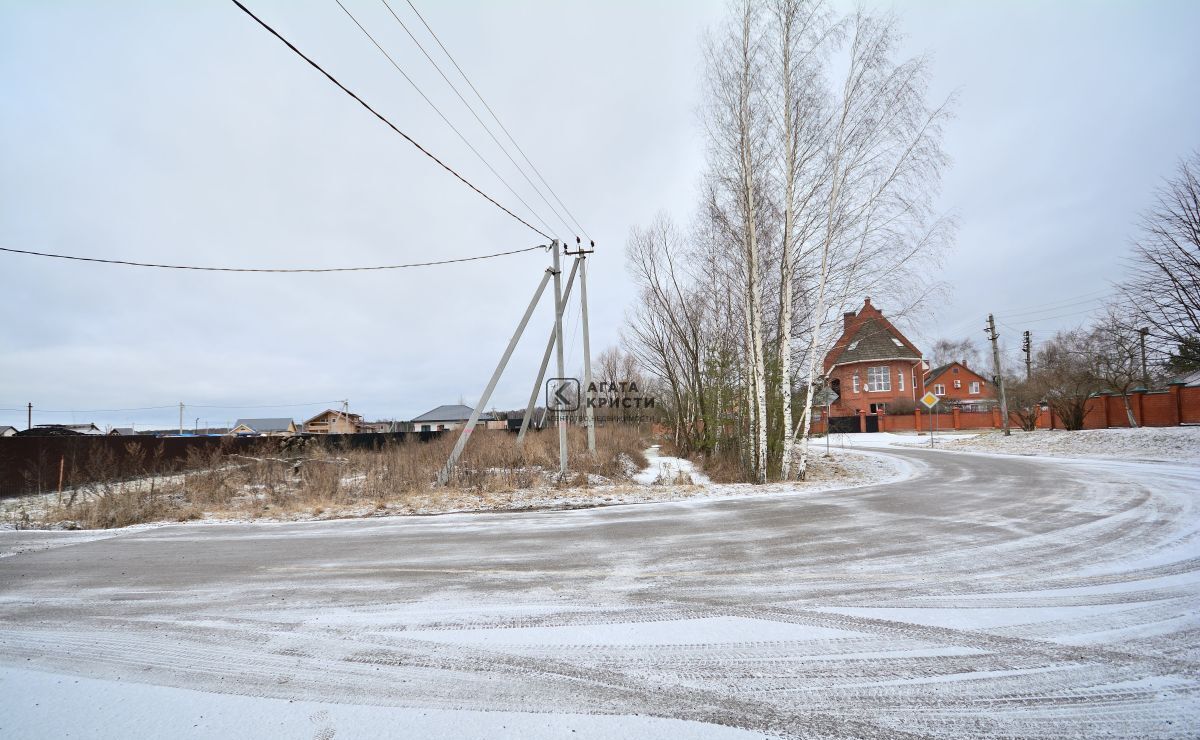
<point x="929" y="401"/>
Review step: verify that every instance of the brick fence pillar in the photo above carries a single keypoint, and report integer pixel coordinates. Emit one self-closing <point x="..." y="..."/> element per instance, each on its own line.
<point x="917" y="420"/>
<point x="1139" y="411"/>
<point x="862" y="420"/>
<point x="995" y="417"/>
<point x="956" y="418"/>
<point x="1175" y="405"/>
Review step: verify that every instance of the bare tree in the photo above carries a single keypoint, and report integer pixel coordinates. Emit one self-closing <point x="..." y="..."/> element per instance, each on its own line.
<point x="946" y="351"/>
<point x="1065" y="369"/>
<point x="885" y="162"/>
<point x="1163" y="287"/>
<point x="813" y="197"/>
<point x="1025" y="400"/>
<point x="1115" y="349"/>
<point x="739" y="153"/>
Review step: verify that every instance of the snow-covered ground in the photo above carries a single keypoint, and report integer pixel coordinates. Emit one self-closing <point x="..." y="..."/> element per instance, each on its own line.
<point x="984" y="596"/>
<point x="1170" y="444"/>
<point x="1178" y="444"/>
<point x="33" y="702"/>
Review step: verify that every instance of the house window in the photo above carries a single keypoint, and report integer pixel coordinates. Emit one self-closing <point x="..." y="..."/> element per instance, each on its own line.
<point x="879" y="379"/>
<point x="939" y="389"/>
<point x="958" y="384"/>
<point x="900" y="379"/>
<point x="975" y="386"/>
<point x="897" y="342"/>
<point x="856" y="383"/>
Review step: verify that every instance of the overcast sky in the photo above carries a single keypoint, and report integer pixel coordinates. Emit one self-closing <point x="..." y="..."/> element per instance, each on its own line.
<point x="182" y="132"/>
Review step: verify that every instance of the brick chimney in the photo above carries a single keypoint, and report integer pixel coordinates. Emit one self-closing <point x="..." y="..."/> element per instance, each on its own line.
<point x="846" y="319"/>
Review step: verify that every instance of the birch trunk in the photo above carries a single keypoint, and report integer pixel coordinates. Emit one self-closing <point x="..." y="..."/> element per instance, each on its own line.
<point x="753" y="298"/>
<point x="786" y="268"/>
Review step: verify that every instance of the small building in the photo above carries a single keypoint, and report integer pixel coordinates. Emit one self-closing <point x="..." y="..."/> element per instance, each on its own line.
<point x="7" y="431"/>
<point x="872" y="365"/>
<point x="276" y="427"/>
<point x="331" y="421"/>
<point x="445" y="418"/>
<point x="961" y="386"/>
<point x="121" y="432"/>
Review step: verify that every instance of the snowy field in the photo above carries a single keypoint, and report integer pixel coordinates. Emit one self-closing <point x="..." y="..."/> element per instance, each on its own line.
<point x="975" y="596"/>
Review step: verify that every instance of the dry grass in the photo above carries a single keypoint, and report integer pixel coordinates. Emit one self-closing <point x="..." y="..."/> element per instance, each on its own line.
<point x="310" y="477"/>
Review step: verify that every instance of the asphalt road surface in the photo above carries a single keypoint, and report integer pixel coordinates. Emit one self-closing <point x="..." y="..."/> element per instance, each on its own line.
<point x="984" y="596"/>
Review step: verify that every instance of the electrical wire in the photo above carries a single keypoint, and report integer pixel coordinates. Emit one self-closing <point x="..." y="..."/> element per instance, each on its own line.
<point x="495" y="117"/>
<point x="94" y="411"/>
<point x="446" y="120"/>
<point x="477" y="118"/>
<point x="129" y="263"/>
<point x="173" y="407"/>
<point x="1057" y="308"/>
<point x="381" y="117"/>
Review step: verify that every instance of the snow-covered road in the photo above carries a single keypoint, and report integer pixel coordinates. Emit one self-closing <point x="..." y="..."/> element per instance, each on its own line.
<point x="985" y="596"/>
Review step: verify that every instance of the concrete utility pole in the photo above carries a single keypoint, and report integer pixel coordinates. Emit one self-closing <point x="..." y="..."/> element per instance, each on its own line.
<point x="993" y="337"/>
<point x="541" y="376"/>
<point x="29" y="416"/>
<point x="444" y="476"/>
<point x="588" y="413"/>
<point x="558" y="349"/>
<point x="181" y="418"/>
<point x="1145" y="373"/>
<point x="1026" y="347"/>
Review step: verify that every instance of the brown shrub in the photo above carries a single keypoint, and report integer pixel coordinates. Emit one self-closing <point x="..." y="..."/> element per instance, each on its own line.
<point x="318" y="474"/>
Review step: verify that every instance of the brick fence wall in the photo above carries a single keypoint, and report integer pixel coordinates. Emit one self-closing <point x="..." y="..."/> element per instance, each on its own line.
<point x="1176" y="405"/>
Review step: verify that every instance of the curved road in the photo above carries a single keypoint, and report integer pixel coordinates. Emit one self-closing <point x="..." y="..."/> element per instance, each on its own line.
<point x="985" y="596"/>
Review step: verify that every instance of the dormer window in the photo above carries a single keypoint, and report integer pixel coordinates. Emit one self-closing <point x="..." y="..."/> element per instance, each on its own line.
<point x="853" y="345"/>
<point x="897" y="342"/>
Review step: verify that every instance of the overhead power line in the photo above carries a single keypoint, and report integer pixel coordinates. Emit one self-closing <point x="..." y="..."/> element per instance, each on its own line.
<point x="445" y="120"/>
<point x="175" y="406"/>
<point x="389" y="124"/>
<point x="479" y="120"/>
<point x="129" y="263"/>
<point x="494" y="116"/>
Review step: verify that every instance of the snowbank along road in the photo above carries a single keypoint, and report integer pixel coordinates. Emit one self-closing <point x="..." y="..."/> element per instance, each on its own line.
<point x="985" y="596"/>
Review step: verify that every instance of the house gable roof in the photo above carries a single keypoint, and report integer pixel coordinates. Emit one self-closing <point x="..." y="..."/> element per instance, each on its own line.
<point x="451" y="412"/>
<point x="937" y="372"/>
<point x="279" y="424"/>
<point x="332" y="412"/>
<point x="869" y="336"/>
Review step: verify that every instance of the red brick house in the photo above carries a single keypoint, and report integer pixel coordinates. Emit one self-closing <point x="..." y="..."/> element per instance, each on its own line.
<point x="871" y="365"/>
<point x="960" y="385"/>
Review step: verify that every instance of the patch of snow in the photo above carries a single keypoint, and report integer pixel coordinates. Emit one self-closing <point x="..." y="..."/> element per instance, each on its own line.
<point x="40" y="704"/>
<point x="703" y="631"/>
<point x="1171" y="444"/>
<point x="667" y="470"/>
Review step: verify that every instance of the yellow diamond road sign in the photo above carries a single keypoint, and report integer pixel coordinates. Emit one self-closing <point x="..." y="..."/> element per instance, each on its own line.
<point x="929" y="400"/>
